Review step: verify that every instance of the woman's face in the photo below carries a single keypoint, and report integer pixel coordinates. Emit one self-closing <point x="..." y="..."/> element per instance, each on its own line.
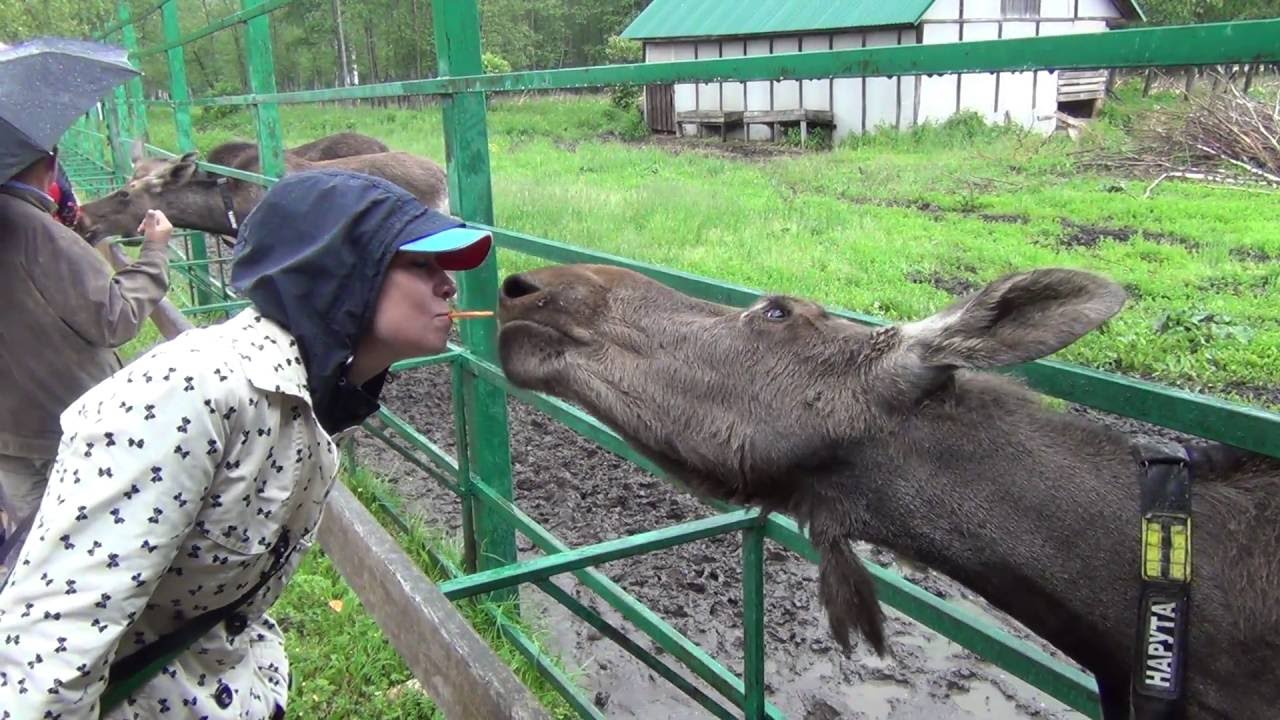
<point x="412" y="315"/>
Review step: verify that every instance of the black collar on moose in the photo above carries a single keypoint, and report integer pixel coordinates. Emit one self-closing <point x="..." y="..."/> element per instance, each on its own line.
<point x="223" y="183"/>
<point x="1164" y="605"/>
<point x="224" y="189"/>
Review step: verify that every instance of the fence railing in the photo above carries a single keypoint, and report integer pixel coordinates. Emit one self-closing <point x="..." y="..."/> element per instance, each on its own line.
<point x="481" y="471"/>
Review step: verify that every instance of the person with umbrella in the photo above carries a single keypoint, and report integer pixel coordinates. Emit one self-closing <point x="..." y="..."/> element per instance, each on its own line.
<point x="189" y="486"/>
<point x="64" y="312"/>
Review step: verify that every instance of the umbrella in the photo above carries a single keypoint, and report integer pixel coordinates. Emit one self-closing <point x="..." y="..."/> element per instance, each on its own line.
<point x="45" y="84"/>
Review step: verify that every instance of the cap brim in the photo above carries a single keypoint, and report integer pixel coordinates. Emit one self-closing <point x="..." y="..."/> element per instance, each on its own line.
<point x="459" y="248"/>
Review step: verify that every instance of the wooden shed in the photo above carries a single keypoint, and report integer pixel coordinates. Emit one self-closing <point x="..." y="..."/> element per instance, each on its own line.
<point x="696" y="29"/>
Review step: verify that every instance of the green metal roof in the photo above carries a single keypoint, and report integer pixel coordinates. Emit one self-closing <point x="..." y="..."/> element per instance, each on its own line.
<point x="719" y="18"/>
<point x="664" y="19"/>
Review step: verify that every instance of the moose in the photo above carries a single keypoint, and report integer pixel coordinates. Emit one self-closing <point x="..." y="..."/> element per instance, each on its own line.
<point x="904" y="437"/>
<point x="197" y="200"/>
<point x="243" y="155"/>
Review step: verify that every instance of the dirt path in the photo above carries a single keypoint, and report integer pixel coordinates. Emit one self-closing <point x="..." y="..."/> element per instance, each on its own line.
<point x="584" y="495"/>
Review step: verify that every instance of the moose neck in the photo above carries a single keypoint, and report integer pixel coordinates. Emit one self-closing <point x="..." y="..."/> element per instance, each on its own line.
<point x="200" y="207"/>
<point x="1031" y="508"/>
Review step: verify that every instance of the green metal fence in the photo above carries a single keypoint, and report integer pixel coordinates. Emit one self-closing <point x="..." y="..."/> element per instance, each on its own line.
<point x="481" y="471"/>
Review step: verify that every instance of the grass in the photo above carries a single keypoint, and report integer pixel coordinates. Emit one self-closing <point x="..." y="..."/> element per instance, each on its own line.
<point x="888" y="224"/>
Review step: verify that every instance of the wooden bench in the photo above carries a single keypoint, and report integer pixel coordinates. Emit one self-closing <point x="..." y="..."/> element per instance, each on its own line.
<point x="804" y="118"/>
<point x="723" y="119"/>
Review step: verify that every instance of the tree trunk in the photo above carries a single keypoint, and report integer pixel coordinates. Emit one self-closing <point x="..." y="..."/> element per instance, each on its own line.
<point x="342" y="43"/>
<point x="373" y="53"/>
<point x="417" y="41"/>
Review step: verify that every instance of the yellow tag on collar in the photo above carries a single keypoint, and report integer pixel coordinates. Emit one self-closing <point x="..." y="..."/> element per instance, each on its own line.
<point x="1166" y="547"/>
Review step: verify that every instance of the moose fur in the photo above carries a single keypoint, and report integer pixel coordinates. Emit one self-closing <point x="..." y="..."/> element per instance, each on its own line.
<point x="897" y="436"/>
<point x="243" y="155"/>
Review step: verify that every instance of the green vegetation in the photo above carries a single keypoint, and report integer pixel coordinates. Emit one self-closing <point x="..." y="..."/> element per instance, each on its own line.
<point x="890" y="224"/>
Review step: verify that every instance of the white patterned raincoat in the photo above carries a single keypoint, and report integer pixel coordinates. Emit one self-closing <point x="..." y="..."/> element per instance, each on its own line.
<point x="174" y="480"/>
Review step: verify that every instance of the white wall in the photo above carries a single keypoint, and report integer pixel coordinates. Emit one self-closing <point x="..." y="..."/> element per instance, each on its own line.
<point x="862" y="104"/>
<point x="847" y="93"/>
<point x="759" y="92"/>
<point x="685" y="96"/>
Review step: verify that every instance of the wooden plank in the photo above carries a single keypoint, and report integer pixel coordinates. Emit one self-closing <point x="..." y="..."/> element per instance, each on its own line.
<point x="818" y="117"/>
<point x="712" y="116"/>
<point x="1071" y="97"/>
<point x="458" y="671"/>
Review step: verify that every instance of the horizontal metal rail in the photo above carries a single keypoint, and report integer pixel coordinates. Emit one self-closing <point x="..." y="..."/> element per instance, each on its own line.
<point x="256" y="178"/>
<point x="546" y="567"/>
<point x="226" y="22"/>
<point x="146" y="12"/>
<point x="1247" y="41"/>
<point x="1241" y="425"/>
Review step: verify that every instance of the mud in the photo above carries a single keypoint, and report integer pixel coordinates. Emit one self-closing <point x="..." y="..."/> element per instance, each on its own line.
<point x="954" y="285"/>
<point x="1083" y="235"/>
<point x="1250" y="255"/>
<point x="730" y="148"/>
<point x="584" y="495"/>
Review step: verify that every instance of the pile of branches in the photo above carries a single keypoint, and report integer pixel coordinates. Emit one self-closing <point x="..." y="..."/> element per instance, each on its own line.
<point x="1227" y="137"/>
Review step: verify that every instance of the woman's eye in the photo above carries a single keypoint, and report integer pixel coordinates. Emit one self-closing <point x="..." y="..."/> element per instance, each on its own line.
<point x="774" y="312"/>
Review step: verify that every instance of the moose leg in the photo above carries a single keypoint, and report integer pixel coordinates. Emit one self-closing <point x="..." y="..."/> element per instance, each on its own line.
<point x="168" y="319"/>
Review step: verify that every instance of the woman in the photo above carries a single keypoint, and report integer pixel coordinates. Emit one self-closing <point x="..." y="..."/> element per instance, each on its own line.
<point x="190" y="484"/>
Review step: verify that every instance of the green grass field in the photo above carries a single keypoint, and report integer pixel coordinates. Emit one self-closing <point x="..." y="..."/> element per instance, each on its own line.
<point x="889" y="225"/>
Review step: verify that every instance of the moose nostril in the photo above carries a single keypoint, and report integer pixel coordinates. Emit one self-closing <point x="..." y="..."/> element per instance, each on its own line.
<point x="518" y="286"/>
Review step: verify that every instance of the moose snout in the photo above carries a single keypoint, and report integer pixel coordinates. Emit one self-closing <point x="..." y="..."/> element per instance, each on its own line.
<point x="518" y="286"/>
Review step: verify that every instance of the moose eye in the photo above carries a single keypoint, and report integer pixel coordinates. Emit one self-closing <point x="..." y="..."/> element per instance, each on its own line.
<point x="776" y="313"/>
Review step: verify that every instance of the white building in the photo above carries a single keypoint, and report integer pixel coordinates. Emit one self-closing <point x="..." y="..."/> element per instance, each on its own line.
<point x="697" y="29"/>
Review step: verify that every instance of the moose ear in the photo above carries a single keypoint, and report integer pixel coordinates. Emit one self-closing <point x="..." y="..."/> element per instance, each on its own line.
<point x="1018" y="318"/>
<point x="181" y="170"/>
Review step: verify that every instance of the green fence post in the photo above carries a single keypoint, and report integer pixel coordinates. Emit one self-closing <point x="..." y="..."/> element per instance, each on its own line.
<point x="753" y="622"/>
<point x="262" y="79"/>
<point x="457" y="25"/>
<point x="137" y="108"/>
<point x="116" y="124"/>
<point x="180" y="94"/>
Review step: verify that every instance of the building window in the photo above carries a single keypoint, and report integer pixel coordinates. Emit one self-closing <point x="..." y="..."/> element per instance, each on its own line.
<point x="1020" y="8"/>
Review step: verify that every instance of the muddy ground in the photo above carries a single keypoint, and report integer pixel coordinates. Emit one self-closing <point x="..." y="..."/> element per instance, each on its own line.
<point x="585" y="495"/>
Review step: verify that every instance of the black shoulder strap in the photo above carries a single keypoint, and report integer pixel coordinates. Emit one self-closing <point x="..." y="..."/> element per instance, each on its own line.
<point x="1160" y="662"/>
<point x="130" y="673"/>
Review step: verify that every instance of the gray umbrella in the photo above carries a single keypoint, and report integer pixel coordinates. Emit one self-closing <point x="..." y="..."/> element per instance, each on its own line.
<point x="45" y="84"/>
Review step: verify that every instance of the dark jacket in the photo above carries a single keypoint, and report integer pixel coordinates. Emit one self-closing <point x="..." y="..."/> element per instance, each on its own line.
<point x="63" y="314"/>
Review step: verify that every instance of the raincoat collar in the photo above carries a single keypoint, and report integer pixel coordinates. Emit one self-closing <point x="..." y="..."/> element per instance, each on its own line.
<point x="30" y="193"/>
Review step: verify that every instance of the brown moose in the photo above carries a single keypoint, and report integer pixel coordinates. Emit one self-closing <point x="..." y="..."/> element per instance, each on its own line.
<point x="896" y="436"/>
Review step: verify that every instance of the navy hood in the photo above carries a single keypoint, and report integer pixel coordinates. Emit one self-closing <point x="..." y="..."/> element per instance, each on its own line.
<point x="312" y="255"/>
